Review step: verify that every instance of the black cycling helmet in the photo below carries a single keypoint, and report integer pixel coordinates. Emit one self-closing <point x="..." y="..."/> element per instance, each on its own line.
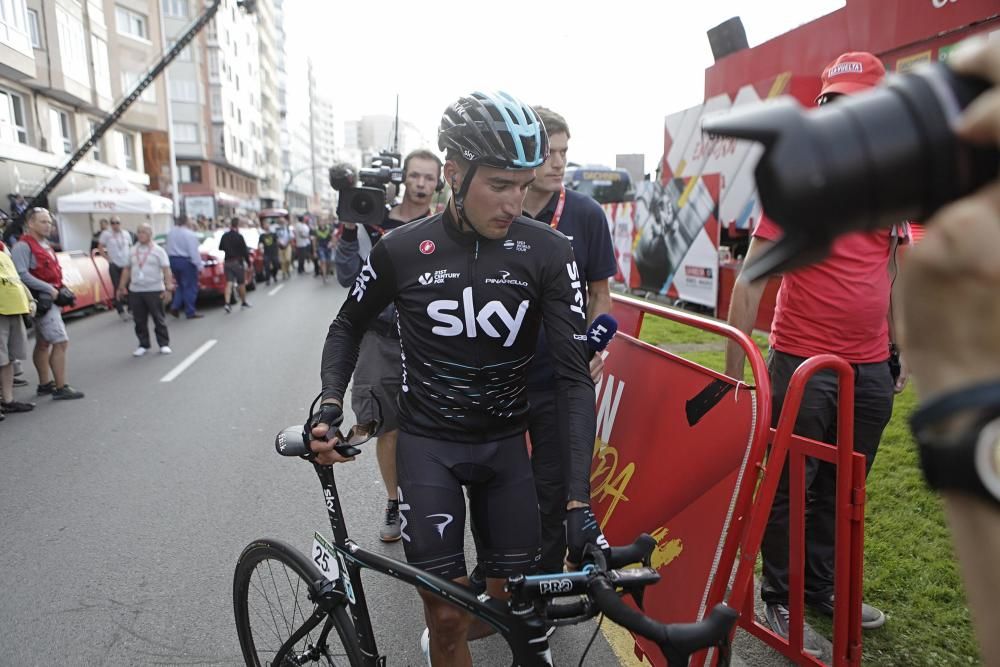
<point x="496" y="130"/>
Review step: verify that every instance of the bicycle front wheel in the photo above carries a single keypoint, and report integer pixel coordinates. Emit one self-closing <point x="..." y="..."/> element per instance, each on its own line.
<point x="271" y="591"/>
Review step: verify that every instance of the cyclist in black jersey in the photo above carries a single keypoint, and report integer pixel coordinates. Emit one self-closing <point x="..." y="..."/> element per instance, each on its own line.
<point x="472" y="286"/>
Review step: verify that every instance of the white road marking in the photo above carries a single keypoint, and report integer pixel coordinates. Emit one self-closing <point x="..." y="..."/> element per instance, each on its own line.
<point x="193" y="357"/>
<point x="275" y="290"/>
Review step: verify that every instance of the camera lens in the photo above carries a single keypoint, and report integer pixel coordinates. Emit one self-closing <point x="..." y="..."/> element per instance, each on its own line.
<point x="362" y="205"/>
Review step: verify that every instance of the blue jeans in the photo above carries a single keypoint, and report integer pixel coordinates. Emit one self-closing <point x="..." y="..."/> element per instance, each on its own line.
<point x="186" y="277"/>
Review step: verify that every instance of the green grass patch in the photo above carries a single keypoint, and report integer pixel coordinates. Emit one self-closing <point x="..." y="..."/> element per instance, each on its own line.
<point x="910" y="568"/>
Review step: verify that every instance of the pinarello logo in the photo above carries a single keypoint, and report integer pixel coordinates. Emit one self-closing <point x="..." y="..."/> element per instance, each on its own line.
<point x="427" y="247"/>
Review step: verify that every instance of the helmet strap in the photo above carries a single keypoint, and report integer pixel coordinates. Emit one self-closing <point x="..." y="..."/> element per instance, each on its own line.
<point x="460" y="197"/>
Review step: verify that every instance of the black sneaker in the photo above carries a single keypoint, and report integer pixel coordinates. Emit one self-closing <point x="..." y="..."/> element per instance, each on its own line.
<point x="66" y="393"/>
<point x="776" y="616"/>
<point x="871" y="617"/>
<point x="16" y="406"/>
<point x="18" y="382"/>
<point x="46" y="389"/>
<point x="247" y="304"/>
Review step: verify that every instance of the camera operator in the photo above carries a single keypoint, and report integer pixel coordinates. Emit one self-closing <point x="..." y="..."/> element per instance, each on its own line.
<point x="841" y="305"/>
<point x="950" y="291"/>
<point x="377" y="377"/>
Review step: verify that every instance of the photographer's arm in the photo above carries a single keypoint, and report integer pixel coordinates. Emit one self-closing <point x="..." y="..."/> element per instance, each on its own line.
<point x="743" y="307"/>
<point x="895" y="252"/>
<point x="346" y="257"/>
<point x="951" y="313"/>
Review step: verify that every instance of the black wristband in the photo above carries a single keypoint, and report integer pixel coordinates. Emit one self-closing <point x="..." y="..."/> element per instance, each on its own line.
<point x="978" y="396"/>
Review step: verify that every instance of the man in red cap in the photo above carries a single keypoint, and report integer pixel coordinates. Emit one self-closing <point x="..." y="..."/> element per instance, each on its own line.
<point x="840" y="306"/>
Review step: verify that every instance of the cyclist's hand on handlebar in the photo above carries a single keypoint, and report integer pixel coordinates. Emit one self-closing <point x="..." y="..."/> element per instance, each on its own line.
<point x="330" y="416"/>
<point x="582" y="529"/>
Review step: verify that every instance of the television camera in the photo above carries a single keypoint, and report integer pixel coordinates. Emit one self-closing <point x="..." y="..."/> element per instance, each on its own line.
<point x="363" y="195"/>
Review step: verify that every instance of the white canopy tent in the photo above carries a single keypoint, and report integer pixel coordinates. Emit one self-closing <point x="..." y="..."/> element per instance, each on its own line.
<point x="79" y="214"/>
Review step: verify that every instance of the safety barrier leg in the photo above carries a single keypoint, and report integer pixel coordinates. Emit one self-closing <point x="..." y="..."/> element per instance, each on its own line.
<point x="849" y="528"/>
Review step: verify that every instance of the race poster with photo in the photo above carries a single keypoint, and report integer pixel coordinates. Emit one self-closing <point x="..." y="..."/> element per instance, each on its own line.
<point x="677" y="237"/>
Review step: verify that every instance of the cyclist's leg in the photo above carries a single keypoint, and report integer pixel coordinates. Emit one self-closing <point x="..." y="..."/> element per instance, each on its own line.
<point x="504" y="509"/>
<point x="432" y="510"/>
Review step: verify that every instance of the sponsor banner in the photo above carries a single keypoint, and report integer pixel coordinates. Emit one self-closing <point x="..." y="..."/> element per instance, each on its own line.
<point x="621" y="223"/>
<point x="668" y="463"/>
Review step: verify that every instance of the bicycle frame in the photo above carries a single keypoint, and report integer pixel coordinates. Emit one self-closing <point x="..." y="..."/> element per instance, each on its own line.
<point x="516" y="621"/>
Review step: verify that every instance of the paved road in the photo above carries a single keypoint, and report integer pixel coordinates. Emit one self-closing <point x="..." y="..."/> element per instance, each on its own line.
<point x="122" y="514"/>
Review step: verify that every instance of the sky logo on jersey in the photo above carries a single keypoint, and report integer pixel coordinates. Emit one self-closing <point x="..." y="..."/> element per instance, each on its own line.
<point x="471" y="321"/>
<point x="574" y="277"/>
<point x="505" y="279"/>
<point x="361" y="283"/>
<point x="427" y="247"/>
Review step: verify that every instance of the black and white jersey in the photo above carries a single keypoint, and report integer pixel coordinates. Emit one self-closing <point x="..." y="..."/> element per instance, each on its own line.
<point x="469" y="313"/>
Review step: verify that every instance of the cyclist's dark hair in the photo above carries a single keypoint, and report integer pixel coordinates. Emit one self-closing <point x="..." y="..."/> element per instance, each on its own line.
<point x="554" y="123"/>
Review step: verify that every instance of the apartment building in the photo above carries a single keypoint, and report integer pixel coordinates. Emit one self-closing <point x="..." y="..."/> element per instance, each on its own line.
<point x="64" y="64"/>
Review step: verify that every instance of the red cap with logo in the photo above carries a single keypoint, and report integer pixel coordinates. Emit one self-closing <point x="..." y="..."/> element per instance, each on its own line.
<point x="850" y="73"/>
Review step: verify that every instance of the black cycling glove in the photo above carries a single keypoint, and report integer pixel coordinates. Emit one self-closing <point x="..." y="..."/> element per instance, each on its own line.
<point x="330" y="414"/>
<point x="582" y="529"/>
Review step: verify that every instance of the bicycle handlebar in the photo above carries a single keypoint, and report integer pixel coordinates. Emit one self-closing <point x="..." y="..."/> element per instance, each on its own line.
<point x="677" y="640"/>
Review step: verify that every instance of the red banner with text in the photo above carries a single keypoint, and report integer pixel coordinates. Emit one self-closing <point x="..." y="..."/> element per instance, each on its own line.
<point x="671" y="451"/>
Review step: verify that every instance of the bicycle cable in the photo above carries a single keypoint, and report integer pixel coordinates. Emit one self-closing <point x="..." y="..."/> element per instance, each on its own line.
<point x="591" y="642"/>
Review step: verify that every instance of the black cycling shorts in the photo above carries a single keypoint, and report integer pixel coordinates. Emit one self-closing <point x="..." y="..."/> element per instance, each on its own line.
<point x="502" y="502"/>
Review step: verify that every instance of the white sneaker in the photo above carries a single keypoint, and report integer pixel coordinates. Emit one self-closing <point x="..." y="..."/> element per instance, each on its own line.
<point x="139" y="351"/>
<point x="165" y="349"/>
<point x="425" y="645"/>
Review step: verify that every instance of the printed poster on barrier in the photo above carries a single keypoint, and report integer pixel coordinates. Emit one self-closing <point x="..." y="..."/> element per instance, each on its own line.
<point x="676" y="250"/>
<point x="669" y="463"/>
<point x="621" y="223"/>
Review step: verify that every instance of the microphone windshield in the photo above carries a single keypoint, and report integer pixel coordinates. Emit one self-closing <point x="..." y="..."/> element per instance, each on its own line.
<point x="601" y="331"/>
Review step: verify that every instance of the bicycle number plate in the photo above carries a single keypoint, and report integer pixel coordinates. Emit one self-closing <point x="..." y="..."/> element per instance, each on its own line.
<point x="325" y="557"/>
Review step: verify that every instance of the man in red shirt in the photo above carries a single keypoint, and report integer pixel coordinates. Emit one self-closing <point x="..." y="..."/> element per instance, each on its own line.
<point x="839" y="306"/>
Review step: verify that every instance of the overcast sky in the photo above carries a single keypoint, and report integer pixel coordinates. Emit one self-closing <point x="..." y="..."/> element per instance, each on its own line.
<point x="613" y="68"/>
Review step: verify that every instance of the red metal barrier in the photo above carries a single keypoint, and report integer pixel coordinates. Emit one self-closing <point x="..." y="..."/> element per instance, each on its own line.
<point x="848" y="563"/>
<point x="685" y="465"/>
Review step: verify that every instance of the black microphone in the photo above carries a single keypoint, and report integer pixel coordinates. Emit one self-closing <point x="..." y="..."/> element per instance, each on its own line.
<point x="601" y="331"/>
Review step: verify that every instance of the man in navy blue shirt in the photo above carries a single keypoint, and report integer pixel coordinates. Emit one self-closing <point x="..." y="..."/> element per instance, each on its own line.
<point x="582" y="221"/>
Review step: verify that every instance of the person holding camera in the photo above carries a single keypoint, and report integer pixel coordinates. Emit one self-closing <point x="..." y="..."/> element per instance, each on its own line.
<point x="377" y="377"/>
<point x="115" y="244"/>
<point x="841" y="306"/>
<point x="38" y="267"/>
<point x="470" y="307"/>
<point x="147" y="282"/>
<point x="951" y="328"/>
<point x="15" y="303"/>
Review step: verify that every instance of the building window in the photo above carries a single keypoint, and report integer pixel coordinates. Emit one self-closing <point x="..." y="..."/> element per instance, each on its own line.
<point x="14" y="29"/>
<point x="131" y="79"/>
<point x="239" y="116"/>
<point x="186" y="133"/>
<point x="132" y="23"/>
<point x="216" y="102"/>
<point x="96" y="153"/>
<point x="189" y="173"/>
<point x="72" y="46"/>
<point x="102" y="73"/>
<point x="34" y="29"/>
<point x="183" y="90"/>
<point x="176" y="8"/>
<point x="13" y="126"/>
<point x="128" y="150"/>
<point x="61" y="133"/>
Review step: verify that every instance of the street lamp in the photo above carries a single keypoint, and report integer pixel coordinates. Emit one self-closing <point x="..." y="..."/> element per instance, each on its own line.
<point x="292" y="175"/>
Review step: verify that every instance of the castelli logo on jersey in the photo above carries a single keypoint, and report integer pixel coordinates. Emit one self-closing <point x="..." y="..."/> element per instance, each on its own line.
<point x="427" y="247"/>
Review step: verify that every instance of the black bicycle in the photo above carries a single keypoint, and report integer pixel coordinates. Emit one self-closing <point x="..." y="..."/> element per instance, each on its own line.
<point x="294" y="610"/>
